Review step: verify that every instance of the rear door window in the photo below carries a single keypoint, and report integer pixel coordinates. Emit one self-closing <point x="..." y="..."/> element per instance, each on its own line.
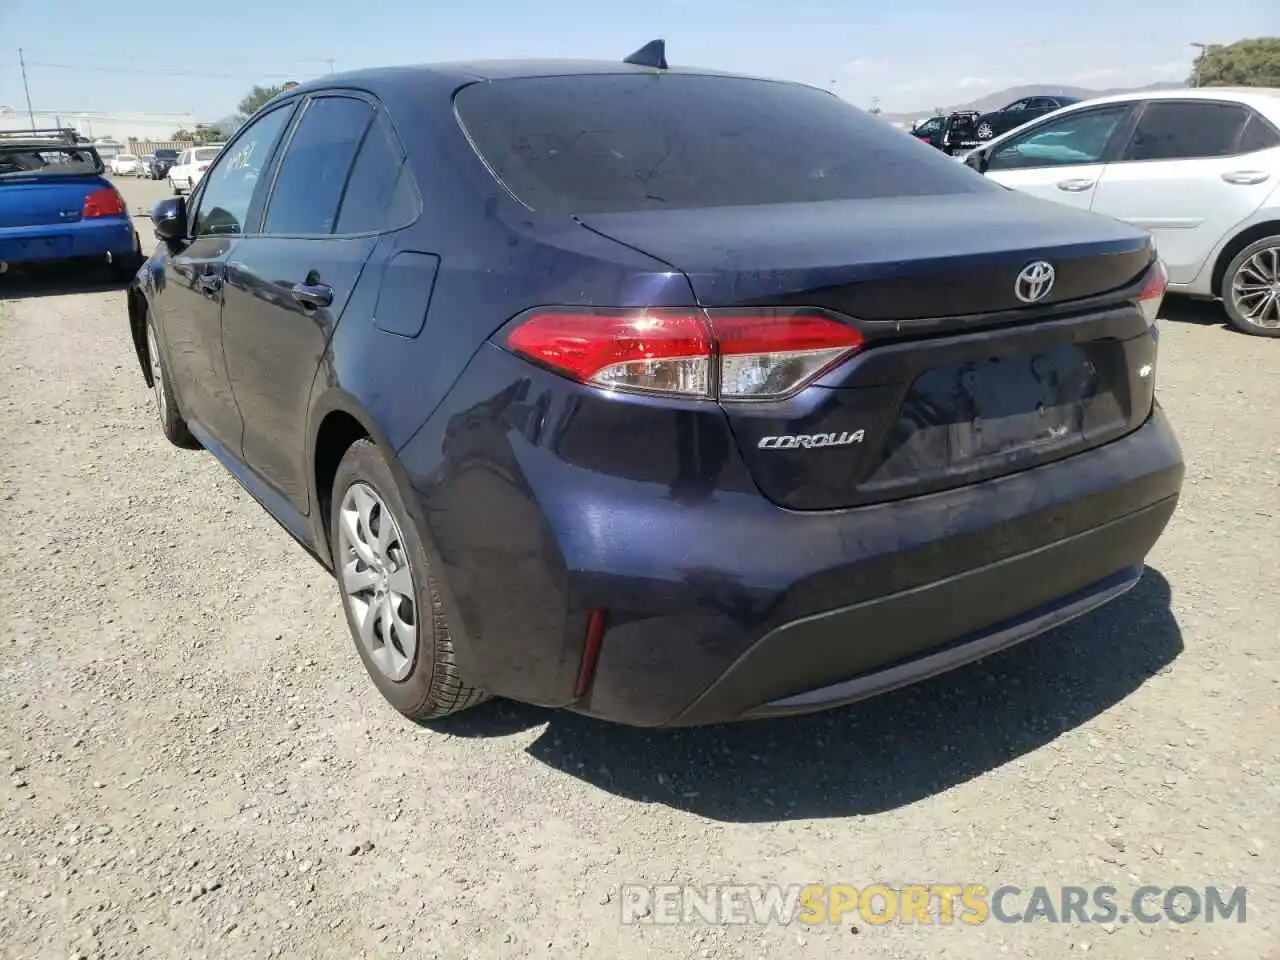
<point x="1186" y="130"/>
<point x="317" y="161"/>
<point x="380" y="194"/>
<point x="619" y="142"/>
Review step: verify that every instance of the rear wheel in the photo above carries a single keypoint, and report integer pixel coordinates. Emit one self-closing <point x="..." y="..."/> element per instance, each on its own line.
<point x="172" y="424"/>
<point x="985" y="131"/>
<point x="1251" y="288"/>
<point x="389" y="594"/>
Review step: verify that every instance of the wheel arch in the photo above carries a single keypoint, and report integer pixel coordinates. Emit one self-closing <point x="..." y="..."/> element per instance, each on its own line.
<point x="137" y="304"/>
<point x="339" y="419"/>
<point x="1250" y="234"/>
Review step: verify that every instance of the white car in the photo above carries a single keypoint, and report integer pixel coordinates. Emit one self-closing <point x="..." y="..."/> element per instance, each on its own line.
<point x="123" y="164"/>
<point x="190" y="167"/>
<point x="1199" y="169"/>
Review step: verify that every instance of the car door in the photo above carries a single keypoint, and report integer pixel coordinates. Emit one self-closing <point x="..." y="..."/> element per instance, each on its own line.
<point x="1190" y="171"/>
<point x="1062" y="158"/>
<point x="288" y="285"/>
<point x="195" y="271"/>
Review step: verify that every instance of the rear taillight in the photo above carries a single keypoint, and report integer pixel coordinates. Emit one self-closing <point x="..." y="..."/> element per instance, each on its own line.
<point x="202" y="167"/>
<point x="105" y="202"/>
<point x="1152" y="294"/>
<point x="757" y="354"/>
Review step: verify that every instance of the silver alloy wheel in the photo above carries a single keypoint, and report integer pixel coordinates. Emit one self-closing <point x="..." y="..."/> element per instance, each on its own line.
<point x="985" y="132"/>
<point x="373" y="564"/>
<point x="1255" y="289"/>
<point x="157" y="375"/>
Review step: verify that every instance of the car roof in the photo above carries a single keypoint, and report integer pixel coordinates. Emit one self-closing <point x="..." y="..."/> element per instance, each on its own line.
<point x="460" y="73"/>
<point x="1261" y="96"/>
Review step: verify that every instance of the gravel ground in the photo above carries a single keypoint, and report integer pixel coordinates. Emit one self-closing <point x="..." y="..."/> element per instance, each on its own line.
<point x="194" y="764"/>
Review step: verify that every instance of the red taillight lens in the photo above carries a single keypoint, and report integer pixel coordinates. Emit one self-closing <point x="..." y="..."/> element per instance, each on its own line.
<point x="1152" y="294"/>
<point x="202" y="167"/>
<point x="726" y="354"/>
<point x="103" y="203"/>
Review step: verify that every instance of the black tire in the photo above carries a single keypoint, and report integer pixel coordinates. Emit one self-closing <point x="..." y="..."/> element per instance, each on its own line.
<point x="1234" y="313"/>
<point x="172" y="424"/>
<point x="432" y="687"/>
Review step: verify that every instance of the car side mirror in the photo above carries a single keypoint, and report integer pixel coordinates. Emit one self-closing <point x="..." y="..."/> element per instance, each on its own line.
<point x="977" y="160"/>
<point x="169" y="217"/>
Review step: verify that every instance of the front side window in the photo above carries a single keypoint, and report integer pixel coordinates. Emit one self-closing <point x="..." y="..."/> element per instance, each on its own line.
<point x="1081" y="137"/>
<point x="623" y="142"/>
<point x="1186" y="130"/>
<point x="229" y="185"/>
<point x="317" y="161"/>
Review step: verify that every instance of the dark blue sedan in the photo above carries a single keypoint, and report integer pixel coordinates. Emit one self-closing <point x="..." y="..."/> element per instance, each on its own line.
<point x="661" y="395"/>
<point x="56" y="204"/>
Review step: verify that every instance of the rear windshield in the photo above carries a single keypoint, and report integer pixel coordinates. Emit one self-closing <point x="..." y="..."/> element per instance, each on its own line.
<point x="617" y="142"/>
<point x="207" y="153"/>
<point x="166" y="154"/>
<point x="27" y="162"/>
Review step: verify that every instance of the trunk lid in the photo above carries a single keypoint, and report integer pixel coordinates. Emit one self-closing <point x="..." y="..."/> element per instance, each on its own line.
<point x="899" y="258"/>
<point x="44" y="199"/>
<point x="958" y="380"/>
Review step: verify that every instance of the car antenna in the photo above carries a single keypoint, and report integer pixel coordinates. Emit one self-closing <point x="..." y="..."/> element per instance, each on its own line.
<point x="652" y="54"/>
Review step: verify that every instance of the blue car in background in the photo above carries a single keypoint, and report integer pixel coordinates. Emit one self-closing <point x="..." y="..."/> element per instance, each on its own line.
<point x="56" y="204"/>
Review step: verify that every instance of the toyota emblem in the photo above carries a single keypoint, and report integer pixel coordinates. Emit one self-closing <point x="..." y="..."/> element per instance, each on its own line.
<point x="1034" y="282"/>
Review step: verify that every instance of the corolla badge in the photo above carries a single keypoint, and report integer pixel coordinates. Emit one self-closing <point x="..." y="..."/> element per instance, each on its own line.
<point x="1034" y="281"/>
<point x="809" y="440"/>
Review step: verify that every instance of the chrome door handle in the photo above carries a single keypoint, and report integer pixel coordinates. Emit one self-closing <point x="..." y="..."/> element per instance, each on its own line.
<point x="313" y="295"/>
<point x="1075" y="186"/>
<point x="1246" y="178"/>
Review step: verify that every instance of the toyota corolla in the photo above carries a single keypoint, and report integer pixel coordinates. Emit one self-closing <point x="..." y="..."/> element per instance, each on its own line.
<point x="662" y="395"/>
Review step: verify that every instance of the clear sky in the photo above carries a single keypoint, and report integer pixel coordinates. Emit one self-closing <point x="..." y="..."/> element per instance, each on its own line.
<point x="202" y="56"/>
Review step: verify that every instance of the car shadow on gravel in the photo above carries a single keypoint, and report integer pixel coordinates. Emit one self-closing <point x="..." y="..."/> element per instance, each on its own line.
<point x="58" y="281"/>
<point x="1206" y="313"/>
<point x="875" y="755"/>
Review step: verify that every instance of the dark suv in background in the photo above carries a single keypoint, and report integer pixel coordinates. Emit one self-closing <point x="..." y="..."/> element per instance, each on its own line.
<point x="665" y="396"/>
<point x="161" y="161"/>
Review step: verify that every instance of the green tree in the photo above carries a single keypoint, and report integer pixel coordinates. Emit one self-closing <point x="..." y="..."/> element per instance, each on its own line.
<point x="256" y="97"/>
<point x="1246" y="63"/>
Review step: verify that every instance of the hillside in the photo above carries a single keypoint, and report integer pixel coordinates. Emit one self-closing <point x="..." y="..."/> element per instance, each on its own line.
<point x="994" y="101"/>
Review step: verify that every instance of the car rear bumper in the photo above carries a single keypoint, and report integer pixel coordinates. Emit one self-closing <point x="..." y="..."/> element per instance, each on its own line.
<point x="970" y="572"/>
<point x="85" y="238"/>
<point x="719" y="605"/>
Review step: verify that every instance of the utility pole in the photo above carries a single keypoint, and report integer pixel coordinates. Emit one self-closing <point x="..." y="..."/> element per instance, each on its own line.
<point x="31" y="114"/>
<point x="1195" y="68"/>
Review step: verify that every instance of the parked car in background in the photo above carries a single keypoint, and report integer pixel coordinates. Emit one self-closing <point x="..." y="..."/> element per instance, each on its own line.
<point x="1199" y="169"/>
<point x="123" y="164"/>
<point x="988" y="125"/>
<point x="143" y="168"/>
<point x="190" y="167"/>
<point x="581" y="411"/>
<point x="57" y="205"/>
<point x="161" y="161"/>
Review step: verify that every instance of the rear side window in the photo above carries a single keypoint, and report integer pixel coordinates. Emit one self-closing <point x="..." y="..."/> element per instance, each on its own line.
<point x="316" y="163"/>
<point x="380" y="194"/>
<point x="617" y="142"/>
<point x="1186" y="130"/>
<point x="1257" y="135"/>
